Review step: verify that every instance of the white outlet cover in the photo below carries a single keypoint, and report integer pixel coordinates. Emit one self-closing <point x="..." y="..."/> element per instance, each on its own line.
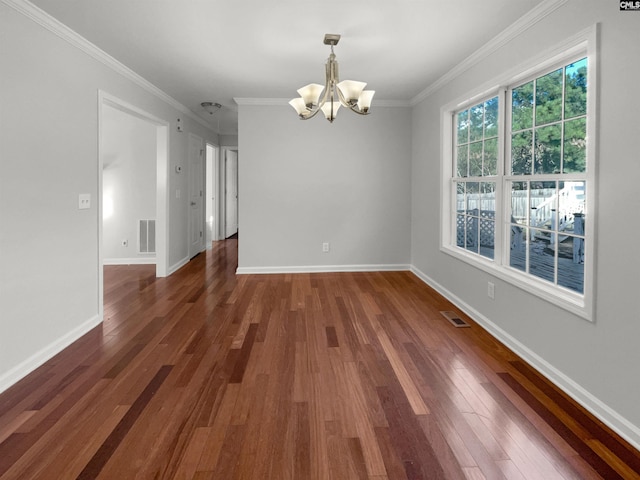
<point x="84" y="201"/>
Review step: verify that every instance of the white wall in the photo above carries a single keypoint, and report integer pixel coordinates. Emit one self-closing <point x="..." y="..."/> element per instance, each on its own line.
<point x="49" y="269"/>
<point x="303" y="183"/>
<point x="597" y="362"/>
<point x="129" y="183"/>
<point x="229" y="140"/>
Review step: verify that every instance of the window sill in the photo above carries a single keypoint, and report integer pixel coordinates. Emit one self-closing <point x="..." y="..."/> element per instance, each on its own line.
<point x="565" y="299"/>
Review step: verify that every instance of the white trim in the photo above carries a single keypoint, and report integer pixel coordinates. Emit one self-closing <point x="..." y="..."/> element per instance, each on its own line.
<point x="177" y="266"/>
<point x="323" y="269"/>
<point x="100" y="218"/>
<point x="276" y="102"/>
<point x="562" y="298"/>
<point x="45" y="20"/>
<point x="223" y="188"/>
<point x="27" y="366"/>
<point x="611" y="418"/>
<point x="212" y="169"/>
<point x="202" y="148"/>
<point x="525" y="22"/>
<point x="130" y="261"/>
<point x="130" y="109"/>
<point x="584" y="42"/>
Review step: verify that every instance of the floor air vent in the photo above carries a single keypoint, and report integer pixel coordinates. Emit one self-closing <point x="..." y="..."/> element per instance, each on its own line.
<point x="455" y="320"/>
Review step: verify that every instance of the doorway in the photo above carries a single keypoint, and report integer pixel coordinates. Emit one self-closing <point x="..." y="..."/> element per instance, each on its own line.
<point x="212" y="187"/>
<point x="196" y="195"/>
<point x="157" y="143"/>
<point x="128" y="188"/>
<point x="231" y="193"/>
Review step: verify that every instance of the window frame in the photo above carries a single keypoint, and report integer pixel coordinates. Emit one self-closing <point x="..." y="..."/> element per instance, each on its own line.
<point x="479" y="179"/>
<point x="583" y="44"/>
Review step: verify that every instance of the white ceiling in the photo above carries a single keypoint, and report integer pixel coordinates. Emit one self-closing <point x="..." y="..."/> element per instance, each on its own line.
<point x="215" y="50"/>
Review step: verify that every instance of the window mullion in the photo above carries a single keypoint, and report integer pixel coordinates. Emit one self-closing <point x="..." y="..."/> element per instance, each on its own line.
<point x="502" y="225"/>
<point x="562" y="117"/>
<point x="453" y="194"/>
<point x="556" y="228"/>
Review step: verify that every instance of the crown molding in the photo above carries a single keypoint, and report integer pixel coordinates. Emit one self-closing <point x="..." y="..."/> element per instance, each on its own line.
<point x="45" y="20"/>
<point x="276" y="102"/>
<point x="270" y="102"/>
<point x="518" y="27"/>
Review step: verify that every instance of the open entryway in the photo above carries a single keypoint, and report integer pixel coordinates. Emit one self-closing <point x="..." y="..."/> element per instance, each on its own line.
<point x="212" y="187"/>
<point x="231" y="195"/>
<point x="132" y="187"/>
<point x="196" y="195"/>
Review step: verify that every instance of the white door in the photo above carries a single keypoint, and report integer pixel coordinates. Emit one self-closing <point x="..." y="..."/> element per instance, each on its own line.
<point x="231" y="200"/>
<point x="196" y="195"/>
<point x="211" y="194"/>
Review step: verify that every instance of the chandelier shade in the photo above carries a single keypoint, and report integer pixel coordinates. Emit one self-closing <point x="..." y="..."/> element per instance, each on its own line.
<point x="299" y="106"/>
<point x="330" y="96"/>
<point x="351" y="90"/>
<point x="311" y="94"/>
<point x="330" y="109"/>
<point x="364" y="101"/>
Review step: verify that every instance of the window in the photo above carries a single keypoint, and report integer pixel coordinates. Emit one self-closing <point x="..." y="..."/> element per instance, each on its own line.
<point x="548" y="133"/>
<point x="518" y="181"/>
<point x="476" y="172"/>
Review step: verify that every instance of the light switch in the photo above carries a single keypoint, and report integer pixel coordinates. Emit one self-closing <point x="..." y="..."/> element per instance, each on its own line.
<point x="84" y="201"/>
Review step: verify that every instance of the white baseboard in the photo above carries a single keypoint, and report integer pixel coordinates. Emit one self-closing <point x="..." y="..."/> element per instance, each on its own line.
<point x="615" y="421"/>
<point x="24" y="368"/>
<point x="177" y="266"/>
<point x="322" y="269"/>
<point x="130" y="261"/>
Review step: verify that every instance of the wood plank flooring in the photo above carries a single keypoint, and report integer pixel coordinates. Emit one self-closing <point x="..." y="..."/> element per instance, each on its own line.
<point x="209" y="375"/>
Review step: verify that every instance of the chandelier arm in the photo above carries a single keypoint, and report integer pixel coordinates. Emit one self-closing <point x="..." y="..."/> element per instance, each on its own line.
<point x="355" y="109"/>
<point x="312" y="114"/>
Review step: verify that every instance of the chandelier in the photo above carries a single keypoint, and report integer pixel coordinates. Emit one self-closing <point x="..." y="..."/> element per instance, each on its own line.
<point x="328" y="98"/>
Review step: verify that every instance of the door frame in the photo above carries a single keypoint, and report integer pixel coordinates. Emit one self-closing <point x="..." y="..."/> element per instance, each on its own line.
<point x="162" y="187"/>
<point x="212" y="189"/>
<point x="223" y="188"/>
<point x="202" y="148"/>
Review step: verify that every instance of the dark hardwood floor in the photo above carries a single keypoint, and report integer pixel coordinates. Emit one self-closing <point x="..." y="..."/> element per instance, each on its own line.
<point x="209" y="375"/>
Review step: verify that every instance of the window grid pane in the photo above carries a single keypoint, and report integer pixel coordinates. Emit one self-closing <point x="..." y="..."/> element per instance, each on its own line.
<point x="522" y="107"/>
<point x="553" y="247"/>
<point x="477" y="140"/>
<point x="575" y="146"/>
<point x="549" y="93"/>
<point x="548" y="122"/>
<point x="475" y="216"/>
<point x="575" y="101"/>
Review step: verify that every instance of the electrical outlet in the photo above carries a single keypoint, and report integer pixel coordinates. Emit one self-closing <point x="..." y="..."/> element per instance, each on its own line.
<point x="491" y="290"/>
<point x="325" y="247"/>
<point x="84" y="201"/>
